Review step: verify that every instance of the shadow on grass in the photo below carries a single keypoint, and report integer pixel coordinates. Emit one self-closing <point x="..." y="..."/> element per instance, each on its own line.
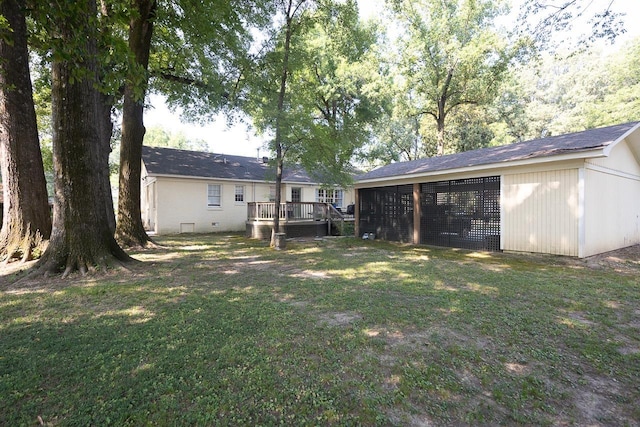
<point x="223" y="330"/>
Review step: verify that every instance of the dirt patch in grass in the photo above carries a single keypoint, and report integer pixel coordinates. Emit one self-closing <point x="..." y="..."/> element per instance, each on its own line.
<point x="625" y="260"/>
<point x="595" y="401"/>
<point x="339" y="319"/>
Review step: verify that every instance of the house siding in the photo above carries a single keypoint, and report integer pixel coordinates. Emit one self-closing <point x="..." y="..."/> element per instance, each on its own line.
<point x="184" y="203"/>
<point x="612" y="201"/>
<point x="185" y="207"/>
<point x="541" y="212"/>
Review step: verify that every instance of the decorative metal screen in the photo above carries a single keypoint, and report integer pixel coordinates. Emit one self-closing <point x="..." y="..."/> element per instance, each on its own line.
<point x="387" y="212"/>
<point x="462" y="213"/>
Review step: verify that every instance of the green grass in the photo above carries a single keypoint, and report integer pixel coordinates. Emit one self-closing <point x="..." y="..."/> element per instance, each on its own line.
<point x="221" y="330"/>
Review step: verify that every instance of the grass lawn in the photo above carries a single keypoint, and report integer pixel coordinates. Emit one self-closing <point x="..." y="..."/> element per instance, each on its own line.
<point x="222" y="330"/>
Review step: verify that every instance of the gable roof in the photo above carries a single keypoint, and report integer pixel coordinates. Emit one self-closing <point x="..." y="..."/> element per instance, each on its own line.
<point x="573" y="143"/>
<point x="198" y="164"/>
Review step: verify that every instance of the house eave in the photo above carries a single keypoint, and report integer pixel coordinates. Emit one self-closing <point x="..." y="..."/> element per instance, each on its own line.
<point x="213" y="178"/>
<point x="607" y="150"/>
<point x="633" y="140"/>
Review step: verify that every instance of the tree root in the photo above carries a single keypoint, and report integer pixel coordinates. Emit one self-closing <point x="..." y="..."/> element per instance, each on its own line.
<point x="135" y="241"/>
<point x="23" y="246"/>
<point x="66" y="266"/>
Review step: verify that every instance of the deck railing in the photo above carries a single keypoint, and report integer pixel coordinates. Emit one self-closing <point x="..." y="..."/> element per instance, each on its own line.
<point x="290" y="211"/>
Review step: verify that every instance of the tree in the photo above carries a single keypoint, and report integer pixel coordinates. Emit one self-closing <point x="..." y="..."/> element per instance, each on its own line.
<point x="620" y="102"/>
<point x="569" y="87"/>
<point x="211" y="39"/>
<point x="81" y="238"/>
<point x="325" y="102"/>
<point x="450" y="56"/>
<point x="339" y="92"/>
<point x="544" y="20"/>
<point x="157" y="136"/>
<point x="276" y="67"/>
<point x="26" y="220"/>
<point x="130" y="230"/>
<point x="470" y="129"/>
<point x="510" y="122"/>
<point x="558" y="94"/>
<point x="400" y="133"/>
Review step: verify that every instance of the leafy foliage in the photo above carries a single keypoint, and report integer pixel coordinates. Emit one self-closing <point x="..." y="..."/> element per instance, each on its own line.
<point x="450" y="57"/>
<point x="582" y="91"/>
<point x="543" y="21"/>
<point x="157" y="136"/>
<point x="333" y="91"/>
<point x="200" y="51"/>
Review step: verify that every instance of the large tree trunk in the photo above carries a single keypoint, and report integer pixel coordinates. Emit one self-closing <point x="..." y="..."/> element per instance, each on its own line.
<point x="130" y="230"/>
<point x="81" y="238"/>
<point x="105" y="126"/>
<point x="26" y="219"/>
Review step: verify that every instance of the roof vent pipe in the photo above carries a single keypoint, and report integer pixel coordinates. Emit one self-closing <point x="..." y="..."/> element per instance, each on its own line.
<point x="265" y="160"/>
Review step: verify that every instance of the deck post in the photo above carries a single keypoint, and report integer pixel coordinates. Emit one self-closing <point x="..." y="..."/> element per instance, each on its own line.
<point x="416" y="214"/>
<point x="356" y="213"/>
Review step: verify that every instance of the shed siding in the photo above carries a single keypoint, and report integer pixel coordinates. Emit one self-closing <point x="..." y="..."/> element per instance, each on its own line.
<point x="541" y="212"/>
<point x="621" y="159"/>
<point x="612" y="202"/>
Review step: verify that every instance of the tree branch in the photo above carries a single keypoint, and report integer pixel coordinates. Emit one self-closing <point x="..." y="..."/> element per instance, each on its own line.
<point x="188" y="81"/>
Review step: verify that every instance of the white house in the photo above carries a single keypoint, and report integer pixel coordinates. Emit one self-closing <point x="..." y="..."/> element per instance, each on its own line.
<point x="189" y="191"/>
<point x="576" y="194"/>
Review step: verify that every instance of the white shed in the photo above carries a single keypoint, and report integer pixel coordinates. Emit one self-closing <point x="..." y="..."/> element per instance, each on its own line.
<point x="576" y="195"/>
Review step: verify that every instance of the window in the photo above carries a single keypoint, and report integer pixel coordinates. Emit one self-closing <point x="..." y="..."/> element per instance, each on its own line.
<point x="213" y="195"/>
<point x="296" y="194"/>
<point x="320" y="195"/>
<point x="335" y="197"/>
<point x="239" y="193"/>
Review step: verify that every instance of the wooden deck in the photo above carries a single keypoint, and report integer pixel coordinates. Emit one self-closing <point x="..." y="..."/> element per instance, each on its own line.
<point x="297" y="219"/>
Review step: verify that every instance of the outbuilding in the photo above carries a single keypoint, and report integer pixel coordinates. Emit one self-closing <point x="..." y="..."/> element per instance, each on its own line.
<point x="576" y="195"/>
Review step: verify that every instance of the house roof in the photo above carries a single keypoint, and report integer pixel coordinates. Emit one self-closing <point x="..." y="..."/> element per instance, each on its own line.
<point x="577" y="142"/>
<point x="197" y="164"/>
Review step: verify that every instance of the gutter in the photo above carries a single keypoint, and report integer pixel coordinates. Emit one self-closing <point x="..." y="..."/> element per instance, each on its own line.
<point x="211" y="178"/>
<point x="597" y="153"/>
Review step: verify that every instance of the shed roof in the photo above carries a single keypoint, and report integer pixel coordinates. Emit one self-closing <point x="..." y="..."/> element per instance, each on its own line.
<point x="197" y="164"/>
<point x="577" y="142"/>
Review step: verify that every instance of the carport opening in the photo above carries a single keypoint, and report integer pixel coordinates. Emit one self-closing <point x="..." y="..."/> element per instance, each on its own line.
<point x="462" y="213"/>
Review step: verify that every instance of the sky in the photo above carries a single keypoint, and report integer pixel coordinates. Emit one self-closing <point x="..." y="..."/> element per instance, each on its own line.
<point x="241" y="141"/>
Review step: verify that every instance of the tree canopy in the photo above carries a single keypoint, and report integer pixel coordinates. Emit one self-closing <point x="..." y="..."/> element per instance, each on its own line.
<point x="333" y="91"/>
<point x="450" y="56"/>
<point x="577" y="92"/>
